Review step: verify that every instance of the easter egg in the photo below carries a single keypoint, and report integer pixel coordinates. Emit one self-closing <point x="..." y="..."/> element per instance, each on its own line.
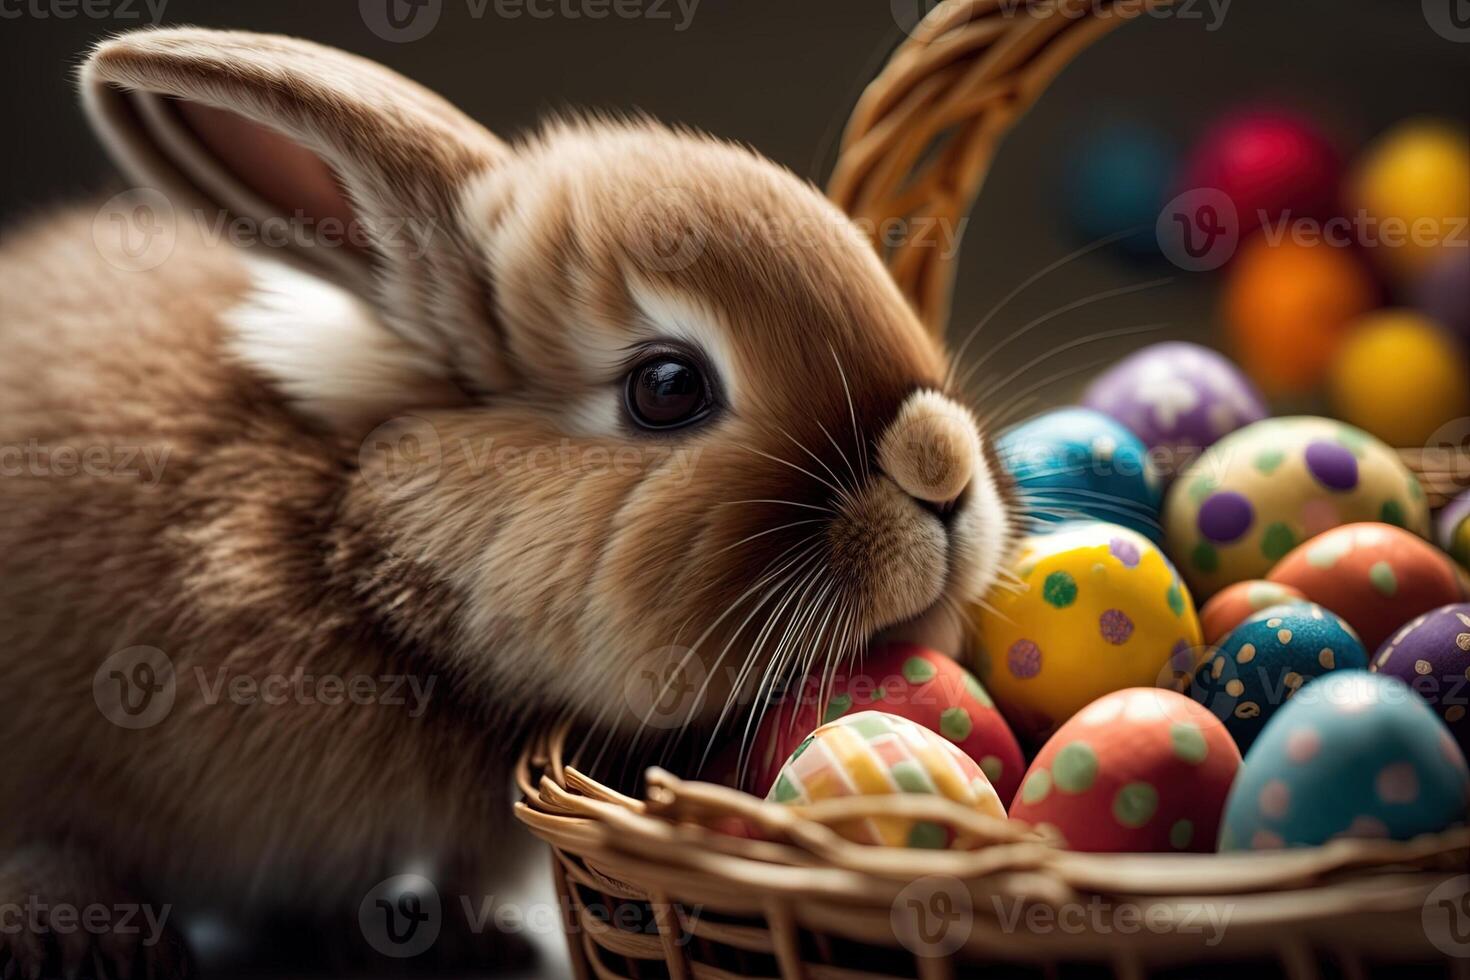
<point x="1377" y="577"/>
<point x="1115" y="178"/>
<point x="900" y="679"/>
<point x="1258" y="493"/>
<point x="1443" y="292"/>
<point x="1141" y="769"/>
<point x="1098" y="608"/>
<point x="1234" y="604"/>
<point x="1453" y="529"/>
<point x="871" y="753"/>
<point x="1413" y="184"/>
<point x="1353" y="754"/>
<point x="1265" y="660"/>
<point x="1432" y="656"/>
<point x="1267" y="161"/>
<point x="1078" y="464"/>
<point x="1400" y="376"/>
<point x="1176" y="397"/>
<point x="1288" y="306"/>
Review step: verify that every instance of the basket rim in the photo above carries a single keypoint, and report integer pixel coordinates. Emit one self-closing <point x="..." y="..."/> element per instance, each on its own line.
<point x="673" y="836"/>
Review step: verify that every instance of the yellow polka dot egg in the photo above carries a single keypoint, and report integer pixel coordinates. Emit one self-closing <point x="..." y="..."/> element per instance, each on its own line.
<point x="1251" y="498"/>
<point x="1093" y="608"/>
<point x="873" y="753"/>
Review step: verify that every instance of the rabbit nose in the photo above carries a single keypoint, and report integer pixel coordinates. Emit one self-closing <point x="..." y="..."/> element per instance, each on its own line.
<point x="931" y="450"/>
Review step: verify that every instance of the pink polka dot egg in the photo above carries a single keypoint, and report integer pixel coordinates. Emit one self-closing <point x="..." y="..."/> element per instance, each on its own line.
<point x="1351" y="755"/>
<point x="1143" y="769"/>
<point x="1255" y="495"/>
<point x="1097" y="608"/>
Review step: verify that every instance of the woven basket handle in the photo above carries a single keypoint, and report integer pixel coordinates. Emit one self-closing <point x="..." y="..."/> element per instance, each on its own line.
<point x="922" y="136"/>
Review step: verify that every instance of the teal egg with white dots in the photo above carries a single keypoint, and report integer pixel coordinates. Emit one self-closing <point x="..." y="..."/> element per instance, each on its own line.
<point x="1352" y="754"/>
<point x="1076" y="464"/>
<point x="1265" y="661"/>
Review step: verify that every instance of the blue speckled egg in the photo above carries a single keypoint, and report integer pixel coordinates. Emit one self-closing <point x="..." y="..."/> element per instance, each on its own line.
<point x="1079" y="464"/>
<point x="1353" y="754"/>
<point x="1264" y="661"/>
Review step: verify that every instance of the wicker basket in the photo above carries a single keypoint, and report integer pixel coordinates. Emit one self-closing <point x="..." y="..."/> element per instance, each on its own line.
<point x="650" y="890"/>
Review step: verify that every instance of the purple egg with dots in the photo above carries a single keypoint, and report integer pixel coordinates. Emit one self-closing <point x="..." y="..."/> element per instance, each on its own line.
<point x="1432" y="656"/>
<point x="1177" y="396"/>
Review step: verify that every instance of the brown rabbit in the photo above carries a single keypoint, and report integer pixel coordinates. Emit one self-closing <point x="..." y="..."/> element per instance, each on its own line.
<point x="349" y="397"/>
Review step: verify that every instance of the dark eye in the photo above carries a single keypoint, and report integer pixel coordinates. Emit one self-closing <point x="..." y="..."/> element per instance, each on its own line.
<point x="666" y="392"/>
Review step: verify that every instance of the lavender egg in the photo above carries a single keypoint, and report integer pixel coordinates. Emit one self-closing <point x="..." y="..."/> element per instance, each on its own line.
<point x="1444" y="292"/>
<point x="1177" y="396"/>
<point x="1432" y="655"/>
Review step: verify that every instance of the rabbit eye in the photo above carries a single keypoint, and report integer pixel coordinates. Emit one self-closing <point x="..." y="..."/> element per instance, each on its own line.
<point x="667" y="392"/>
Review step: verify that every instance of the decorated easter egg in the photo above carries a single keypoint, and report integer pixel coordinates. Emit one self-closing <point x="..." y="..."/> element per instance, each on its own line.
<point x="1353" y="754"/>
<point x="1432" y="656"/>
<point x="1116" y="175"/>
<point x="1258" y="493"/>
<point x="1141" y="769"/>
<point x="1443" y="292"/>
<point x="1400" y="376"/>
<point x="871" y="753"/>
<point x="1078" y="464"/>
<point x="1378" y="577"/>
<point x="1453" y="529"/>
<point x="922" y="686"/>
<point x="1177" y="397"/>
<point x="1265" y="660"/>
<point x="1266" y="161"/>
<point x="1414" y="185"/>
<point x="1234" y="604"/>
<point x="1098" y="608"/>
<point x="1288" y="305"/>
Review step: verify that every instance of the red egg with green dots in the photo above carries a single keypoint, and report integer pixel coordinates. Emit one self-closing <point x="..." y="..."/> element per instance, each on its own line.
<point x="1236" y="603"/>
<point x="912" y="682"/>
<point x="1375" y="576"/>
<point x="1138" y="770"/>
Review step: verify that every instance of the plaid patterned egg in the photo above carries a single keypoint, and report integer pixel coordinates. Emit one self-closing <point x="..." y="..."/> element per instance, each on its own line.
<point x="871" y="753"/>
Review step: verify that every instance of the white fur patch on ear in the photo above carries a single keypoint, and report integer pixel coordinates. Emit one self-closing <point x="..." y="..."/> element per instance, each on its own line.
<point x="329" y="352"/>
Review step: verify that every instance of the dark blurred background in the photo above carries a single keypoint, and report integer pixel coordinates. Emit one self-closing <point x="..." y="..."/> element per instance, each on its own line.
<point x="782" y="75"/>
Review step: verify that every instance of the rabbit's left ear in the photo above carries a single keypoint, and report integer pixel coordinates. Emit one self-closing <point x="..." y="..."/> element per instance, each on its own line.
<point x="358" y="173"/>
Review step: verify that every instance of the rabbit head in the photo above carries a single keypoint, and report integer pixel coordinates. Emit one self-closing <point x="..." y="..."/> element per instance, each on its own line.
<point x="624" y="395"/>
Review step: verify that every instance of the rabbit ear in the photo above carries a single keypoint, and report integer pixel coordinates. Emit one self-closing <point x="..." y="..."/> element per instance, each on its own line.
<point x="359" y="170"/>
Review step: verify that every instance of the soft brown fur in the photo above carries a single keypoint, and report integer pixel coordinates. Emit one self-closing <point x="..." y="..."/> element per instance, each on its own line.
<point x="273" y="542"/>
